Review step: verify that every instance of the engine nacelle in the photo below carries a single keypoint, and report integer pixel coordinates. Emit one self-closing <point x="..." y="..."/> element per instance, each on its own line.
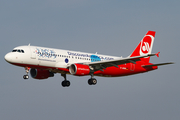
<point x="40" y="74"/>
<point x="79" y="69"/>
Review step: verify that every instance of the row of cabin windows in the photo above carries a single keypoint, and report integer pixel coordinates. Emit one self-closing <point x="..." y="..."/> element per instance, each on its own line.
<point x="22" y="51"/>
<point x="77" y="57"/>
<point x="16" y="50"/>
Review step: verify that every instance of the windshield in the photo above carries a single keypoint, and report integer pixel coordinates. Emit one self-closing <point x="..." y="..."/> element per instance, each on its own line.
<point x="18" y="50"/>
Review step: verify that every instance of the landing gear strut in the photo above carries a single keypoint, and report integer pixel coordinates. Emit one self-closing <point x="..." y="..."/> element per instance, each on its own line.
<point x="65" y="83"/>
<point x="27" y="71"/>
<point x="92" y="80"/>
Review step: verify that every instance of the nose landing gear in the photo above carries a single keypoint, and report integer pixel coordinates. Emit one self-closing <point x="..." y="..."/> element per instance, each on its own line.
<point x="27" y="71"/>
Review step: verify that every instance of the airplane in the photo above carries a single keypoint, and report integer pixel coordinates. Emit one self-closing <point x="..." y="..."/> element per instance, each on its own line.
<point x="44" y="62"/>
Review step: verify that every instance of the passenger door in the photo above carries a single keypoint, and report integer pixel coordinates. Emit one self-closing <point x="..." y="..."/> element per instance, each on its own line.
<point x="33" y="52"/>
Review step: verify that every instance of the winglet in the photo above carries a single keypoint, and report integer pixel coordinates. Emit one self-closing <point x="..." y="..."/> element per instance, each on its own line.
<point x="157" y="54"/>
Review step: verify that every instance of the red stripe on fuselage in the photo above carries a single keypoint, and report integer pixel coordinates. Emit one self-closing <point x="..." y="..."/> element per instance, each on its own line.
<point x="122" y="70"/>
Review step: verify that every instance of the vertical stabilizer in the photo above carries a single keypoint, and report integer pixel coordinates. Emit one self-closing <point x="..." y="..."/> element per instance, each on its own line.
<point x="145" y="46"/>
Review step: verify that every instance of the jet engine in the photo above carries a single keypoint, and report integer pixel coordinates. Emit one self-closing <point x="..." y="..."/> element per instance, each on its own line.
<point x="79" y="69"/>
<point x="41" y="74"/>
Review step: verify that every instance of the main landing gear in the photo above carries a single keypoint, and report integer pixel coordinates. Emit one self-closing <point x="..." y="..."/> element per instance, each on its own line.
<point x="65" y="83"/>
<point x="92" y="81"/>
<point x="27" y="71"/>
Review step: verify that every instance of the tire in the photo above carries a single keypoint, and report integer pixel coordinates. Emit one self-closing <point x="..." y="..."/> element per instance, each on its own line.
<point x="25" y="76"/>
<point x="65" y="83"/>
<point x="92" y="81"/>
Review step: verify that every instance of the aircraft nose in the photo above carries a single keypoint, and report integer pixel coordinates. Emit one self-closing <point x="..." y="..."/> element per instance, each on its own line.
<point x="8" y="57"/>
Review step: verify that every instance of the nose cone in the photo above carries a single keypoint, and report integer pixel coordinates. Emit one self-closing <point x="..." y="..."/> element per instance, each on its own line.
<point x="8" y="57"/>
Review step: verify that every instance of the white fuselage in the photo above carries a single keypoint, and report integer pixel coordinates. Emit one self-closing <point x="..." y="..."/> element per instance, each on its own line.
<point x="50" y="57"/>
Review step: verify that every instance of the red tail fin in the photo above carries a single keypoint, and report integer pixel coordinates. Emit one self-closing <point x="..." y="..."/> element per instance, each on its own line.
<point x="145" y="46"/>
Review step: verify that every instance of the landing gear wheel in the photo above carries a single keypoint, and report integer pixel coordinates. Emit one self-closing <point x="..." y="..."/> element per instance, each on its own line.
<point x="26" y="76"/>
<point x="65" y="83"/>
<point x="92" y="81"/>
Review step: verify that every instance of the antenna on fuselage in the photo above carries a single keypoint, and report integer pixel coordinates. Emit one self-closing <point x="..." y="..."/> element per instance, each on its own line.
<point x="29" y="44"/>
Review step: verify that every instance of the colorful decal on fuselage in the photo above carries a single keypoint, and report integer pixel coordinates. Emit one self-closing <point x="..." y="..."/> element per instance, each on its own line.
<point x="45" y="53"/>
<point x="95" y="58"/>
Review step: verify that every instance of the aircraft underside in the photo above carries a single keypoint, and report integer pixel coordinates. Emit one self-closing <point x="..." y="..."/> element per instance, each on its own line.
<point x="44" y="72"/>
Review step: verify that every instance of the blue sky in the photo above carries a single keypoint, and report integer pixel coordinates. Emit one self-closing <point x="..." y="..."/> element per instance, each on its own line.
<point x="107" y="27"/>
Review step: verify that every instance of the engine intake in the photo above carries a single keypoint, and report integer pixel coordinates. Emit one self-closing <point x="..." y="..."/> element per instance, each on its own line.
<point x="79" y="69"/>
<point x="41" y="74"/>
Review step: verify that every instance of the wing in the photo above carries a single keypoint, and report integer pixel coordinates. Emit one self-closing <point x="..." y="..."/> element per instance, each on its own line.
<point x="100" y="65"/>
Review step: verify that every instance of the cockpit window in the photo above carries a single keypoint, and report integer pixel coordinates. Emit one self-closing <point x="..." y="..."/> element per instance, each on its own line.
<point x="20" y="51"/>
<point x="14" y="50"/>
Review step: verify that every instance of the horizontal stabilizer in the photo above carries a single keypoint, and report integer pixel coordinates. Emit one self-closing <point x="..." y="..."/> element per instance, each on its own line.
<point x="158" y="64"/>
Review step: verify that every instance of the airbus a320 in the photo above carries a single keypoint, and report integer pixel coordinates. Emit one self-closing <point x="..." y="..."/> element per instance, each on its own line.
<point x="44" y="62"/>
